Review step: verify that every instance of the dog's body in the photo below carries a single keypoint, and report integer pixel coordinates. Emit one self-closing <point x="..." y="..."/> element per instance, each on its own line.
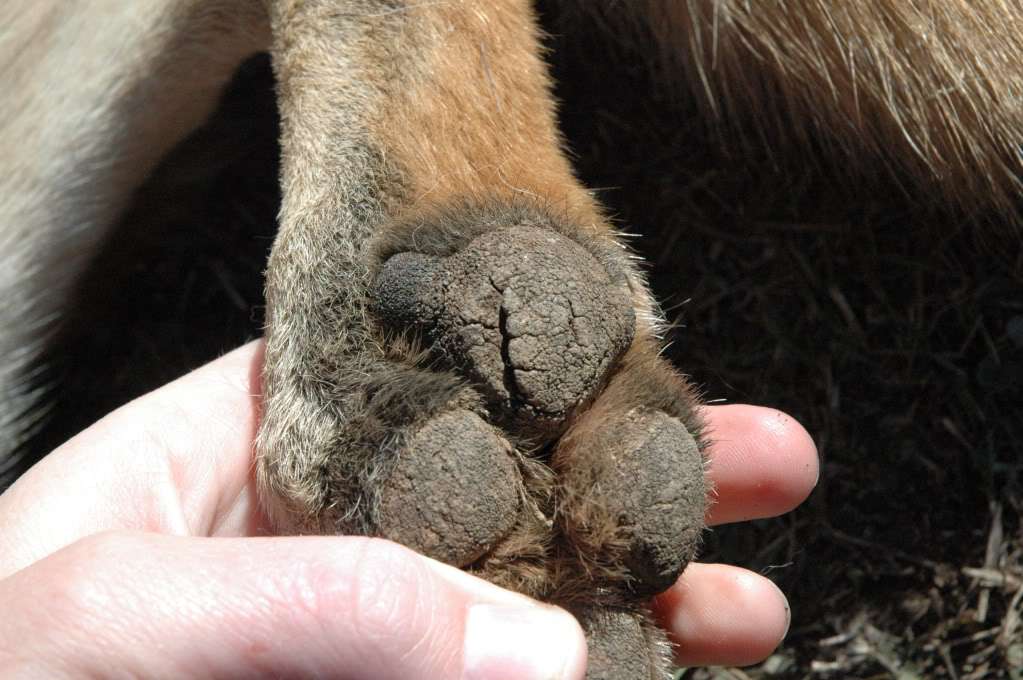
<point x="418" y="129"/>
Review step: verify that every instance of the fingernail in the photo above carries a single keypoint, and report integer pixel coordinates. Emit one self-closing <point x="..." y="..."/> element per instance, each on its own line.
<point x="788" y="610"/>
<point x="521" y="643"/>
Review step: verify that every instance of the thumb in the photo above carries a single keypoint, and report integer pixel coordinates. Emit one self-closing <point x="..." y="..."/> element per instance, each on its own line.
<point x="159" y="606"/>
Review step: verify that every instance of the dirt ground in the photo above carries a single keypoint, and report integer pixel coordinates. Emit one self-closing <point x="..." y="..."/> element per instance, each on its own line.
<point x="891" y="331"/>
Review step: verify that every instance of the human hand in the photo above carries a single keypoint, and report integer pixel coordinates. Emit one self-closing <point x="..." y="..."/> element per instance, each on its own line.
<point x="139" y="546"/>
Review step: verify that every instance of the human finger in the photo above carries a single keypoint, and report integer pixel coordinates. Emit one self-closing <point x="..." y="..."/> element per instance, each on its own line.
<point x="763" y="463"/>
<point x="177" y="460"/>
<point x="720" y="615"/>
<point x="160" y="606"/>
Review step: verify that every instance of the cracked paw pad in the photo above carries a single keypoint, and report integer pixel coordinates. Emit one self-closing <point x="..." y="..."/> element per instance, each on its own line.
<point x="527" y="314"/>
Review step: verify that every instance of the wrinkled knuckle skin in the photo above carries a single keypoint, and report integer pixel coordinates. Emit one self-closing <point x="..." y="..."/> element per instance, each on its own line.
<point x="85" y="578"/>
<point x="390" y="591"/>
<point x="103" y="553"/>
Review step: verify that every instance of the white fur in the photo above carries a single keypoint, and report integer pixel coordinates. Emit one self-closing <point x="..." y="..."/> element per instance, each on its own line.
<point x="95" y="92"/>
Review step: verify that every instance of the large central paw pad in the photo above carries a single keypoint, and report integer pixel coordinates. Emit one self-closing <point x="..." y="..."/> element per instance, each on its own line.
<point x="528" y="315"/>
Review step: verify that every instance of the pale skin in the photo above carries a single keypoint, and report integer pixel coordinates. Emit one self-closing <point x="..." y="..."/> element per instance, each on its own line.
<point x="140" y="547"/>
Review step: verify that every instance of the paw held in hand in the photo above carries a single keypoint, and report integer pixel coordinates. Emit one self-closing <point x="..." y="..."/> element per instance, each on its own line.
<point x="539" y="441"/>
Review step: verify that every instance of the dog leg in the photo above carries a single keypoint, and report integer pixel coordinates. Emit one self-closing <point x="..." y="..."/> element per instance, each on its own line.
<point x="445" y="301"/>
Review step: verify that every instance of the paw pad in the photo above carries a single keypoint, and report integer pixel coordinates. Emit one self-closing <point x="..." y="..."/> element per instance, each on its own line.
<point x="454" y="490"/>
<point x="638" y="478"/>
<point x="528" y="315"/>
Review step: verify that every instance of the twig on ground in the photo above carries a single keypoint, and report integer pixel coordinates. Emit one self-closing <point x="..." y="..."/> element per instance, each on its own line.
<point x="992" y="555"/>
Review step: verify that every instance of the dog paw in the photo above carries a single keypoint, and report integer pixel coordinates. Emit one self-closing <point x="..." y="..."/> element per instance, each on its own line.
<point x="517" y="421"/>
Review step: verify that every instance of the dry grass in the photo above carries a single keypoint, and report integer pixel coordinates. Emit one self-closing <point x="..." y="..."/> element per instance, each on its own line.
<point x="895" y="338"/>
